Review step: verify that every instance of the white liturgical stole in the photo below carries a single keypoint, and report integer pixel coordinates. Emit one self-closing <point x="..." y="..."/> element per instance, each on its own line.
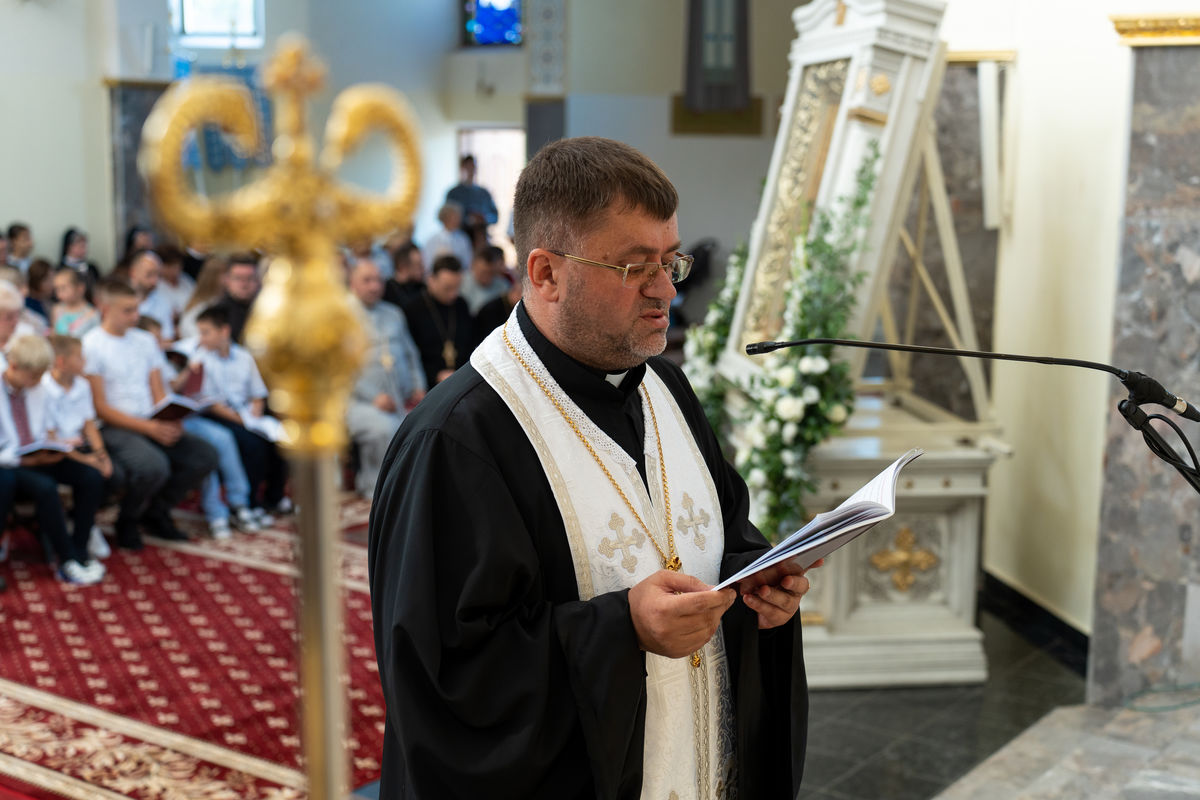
<point x="689" y="750"/>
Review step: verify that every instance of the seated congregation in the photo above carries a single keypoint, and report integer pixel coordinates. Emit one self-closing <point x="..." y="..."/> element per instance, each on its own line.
<point x="94" y="366"/>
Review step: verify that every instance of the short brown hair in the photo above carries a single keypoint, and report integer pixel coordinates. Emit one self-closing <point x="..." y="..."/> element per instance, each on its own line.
<point x="570" y="182"/>
<point x="64" y="345"/>
<point x="115" y="287"/>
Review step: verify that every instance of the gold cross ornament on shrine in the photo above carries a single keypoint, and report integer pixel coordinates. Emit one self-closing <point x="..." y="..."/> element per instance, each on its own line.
<point x="902" y="561"/>
<point x="305" y="332"/>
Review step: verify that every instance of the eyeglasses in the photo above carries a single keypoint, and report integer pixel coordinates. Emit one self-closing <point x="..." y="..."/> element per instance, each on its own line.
<point x="639" y="275"/>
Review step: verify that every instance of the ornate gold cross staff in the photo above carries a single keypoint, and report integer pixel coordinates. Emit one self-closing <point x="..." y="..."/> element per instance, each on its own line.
<point x="307" y="338"/>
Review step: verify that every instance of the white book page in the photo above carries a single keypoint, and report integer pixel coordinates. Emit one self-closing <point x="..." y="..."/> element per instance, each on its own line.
<point x="826" y="532"/>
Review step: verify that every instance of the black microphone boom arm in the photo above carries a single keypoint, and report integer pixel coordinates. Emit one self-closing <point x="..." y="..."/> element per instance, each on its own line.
<point x="1142" y="389"/>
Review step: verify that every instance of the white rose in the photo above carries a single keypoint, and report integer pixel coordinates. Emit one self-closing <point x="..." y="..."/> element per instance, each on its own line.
<point x="710" y="338"/>
<point x="773" y="427"/>
<point x="785" y="376"/>
<point x="756" y="437"/>
<point x="838" y="414"/>
<point x="742" y="457"/>
<point x="787" y="456"/>
<point x="794" y="472"/>
<point x="810" y="395"/>
<point x="789" y="434"/>
<point x="814" y="365"/>
<point x="757" y="478"/>
<point x="712" y="317"/>
<point x="789" y="409"/>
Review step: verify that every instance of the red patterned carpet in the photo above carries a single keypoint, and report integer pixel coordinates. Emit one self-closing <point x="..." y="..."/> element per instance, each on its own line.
<point x="176" y="677"/>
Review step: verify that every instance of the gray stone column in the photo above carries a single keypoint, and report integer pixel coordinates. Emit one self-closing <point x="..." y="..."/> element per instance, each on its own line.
<point x="1146" y="629"/>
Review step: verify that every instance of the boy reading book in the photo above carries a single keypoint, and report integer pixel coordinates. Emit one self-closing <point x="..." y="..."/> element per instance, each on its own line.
<point x="229" y="471"/>
<point x="24" y="421"/>
<point x="232" y="379"/>
<point x="73" y="420"/>
<point x="160" y="460"/>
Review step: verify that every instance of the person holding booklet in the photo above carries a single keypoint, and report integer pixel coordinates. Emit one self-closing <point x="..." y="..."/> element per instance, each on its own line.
<point x="187" y="405"/>
<point x="33" y="466"/>
<point x="549" y="523"/>
<point x="70" y="406"/>
<point x="161" y="462"/>
<point x="233" y="382"/>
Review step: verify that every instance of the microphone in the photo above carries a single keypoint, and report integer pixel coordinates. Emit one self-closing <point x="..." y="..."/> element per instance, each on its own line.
<point x="1142" y="388"/>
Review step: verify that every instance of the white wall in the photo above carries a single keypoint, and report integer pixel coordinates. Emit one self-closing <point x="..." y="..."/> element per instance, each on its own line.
<point x="1055" y="284"/>
<point x="625" y="61"/>
<point x="402" y="44"/>
<point x="54" y="130"/>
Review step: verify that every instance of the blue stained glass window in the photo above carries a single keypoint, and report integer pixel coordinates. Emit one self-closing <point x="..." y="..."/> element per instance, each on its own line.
<point x="488" y="22"/>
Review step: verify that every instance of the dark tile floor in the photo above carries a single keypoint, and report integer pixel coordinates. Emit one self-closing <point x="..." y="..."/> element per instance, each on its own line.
<point x="910" y="744"/>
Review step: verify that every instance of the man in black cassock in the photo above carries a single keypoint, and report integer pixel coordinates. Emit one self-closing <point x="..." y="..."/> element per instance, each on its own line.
<point x="540" y="523"/>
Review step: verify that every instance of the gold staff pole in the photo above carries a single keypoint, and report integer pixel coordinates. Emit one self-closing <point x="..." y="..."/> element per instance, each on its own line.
<point x="304" y="332"/>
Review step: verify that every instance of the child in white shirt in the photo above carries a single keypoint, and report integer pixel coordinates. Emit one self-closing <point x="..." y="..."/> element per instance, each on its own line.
<point x="161" y="462"/>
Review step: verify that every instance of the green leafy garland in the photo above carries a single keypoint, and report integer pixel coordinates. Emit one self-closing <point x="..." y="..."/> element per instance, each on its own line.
<point x="801" y="396"/>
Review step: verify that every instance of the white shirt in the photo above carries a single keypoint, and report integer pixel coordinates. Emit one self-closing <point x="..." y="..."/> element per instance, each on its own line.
<point x="158" y="306"/>
<point x="456" y="243"/>
<point x="177" y="295"/>
<point x="124" y="364"/>
<point x="234" y="379"/>
<point x="68" y="409"/>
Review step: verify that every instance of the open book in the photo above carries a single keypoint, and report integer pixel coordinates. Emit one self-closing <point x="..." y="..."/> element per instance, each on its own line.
<point x="176" y="406"/>
<point x="45" y="446"/>
<point x="826" y="532"/>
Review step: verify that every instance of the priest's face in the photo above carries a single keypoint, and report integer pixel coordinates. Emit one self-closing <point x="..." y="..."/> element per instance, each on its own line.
<point x="605" y="321"/>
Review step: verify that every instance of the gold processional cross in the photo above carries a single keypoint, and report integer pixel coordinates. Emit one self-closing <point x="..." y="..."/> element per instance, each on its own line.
<point x="304" y="332"/>
<point x="904" y="559"/>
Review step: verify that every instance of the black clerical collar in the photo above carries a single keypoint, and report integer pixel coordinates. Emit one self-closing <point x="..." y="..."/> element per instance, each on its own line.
<point x="573" y="376"/>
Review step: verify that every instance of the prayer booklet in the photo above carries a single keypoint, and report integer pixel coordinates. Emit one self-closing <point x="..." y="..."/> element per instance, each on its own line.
<point x="175" y="407"/>
<point x="826" y="532"/>
<point x="45" y="446"/>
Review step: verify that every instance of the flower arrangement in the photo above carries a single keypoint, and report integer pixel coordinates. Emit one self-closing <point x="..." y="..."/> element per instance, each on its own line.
<point x="801" y="396"/>
<point x="704" y="343"/>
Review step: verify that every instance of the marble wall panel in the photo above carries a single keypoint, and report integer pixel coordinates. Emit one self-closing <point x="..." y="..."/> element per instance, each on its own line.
<point x="1148" y="555"/>
<point x="957" y="120"/>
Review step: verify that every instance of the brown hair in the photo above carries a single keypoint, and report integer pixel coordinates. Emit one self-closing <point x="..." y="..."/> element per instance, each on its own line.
<point x="208" y="282"/>
<point x="115" y="287"/>
<point x="149" y="324"/>
<point x="64" y="345"/>
<point x="39" y="271"/>
<point x="570" y="182"/>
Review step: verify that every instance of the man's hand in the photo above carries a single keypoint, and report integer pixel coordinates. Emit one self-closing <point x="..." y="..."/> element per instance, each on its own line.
<point x="165" y="433"/>
<point x="384" y="402"/>
<point x="775" y="593"/>
<point x="675" y="614"/>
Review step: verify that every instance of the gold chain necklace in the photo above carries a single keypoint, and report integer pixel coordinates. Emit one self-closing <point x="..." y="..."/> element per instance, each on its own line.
<point x="670" y="561"/>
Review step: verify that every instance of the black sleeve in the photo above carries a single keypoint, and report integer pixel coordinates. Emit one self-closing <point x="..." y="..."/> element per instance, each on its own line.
<point x="492" y="689"/>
